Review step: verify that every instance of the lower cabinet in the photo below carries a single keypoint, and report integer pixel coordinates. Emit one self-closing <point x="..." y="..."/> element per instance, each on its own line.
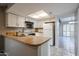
<point x="15" y="48"/>
<point x="44" y="49"/>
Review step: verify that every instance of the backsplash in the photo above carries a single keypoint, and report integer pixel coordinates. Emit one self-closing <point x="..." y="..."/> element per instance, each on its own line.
<point x="8" y="29"/>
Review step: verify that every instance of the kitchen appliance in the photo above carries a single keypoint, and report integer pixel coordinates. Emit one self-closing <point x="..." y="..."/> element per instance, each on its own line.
<point x="49" y="31"/>
<point x="31" y="34"/>
<point x="29" y="24"/>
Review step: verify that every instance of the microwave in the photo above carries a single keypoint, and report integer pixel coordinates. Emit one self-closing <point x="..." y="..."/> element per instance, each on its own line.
<point x="29" y="24"/>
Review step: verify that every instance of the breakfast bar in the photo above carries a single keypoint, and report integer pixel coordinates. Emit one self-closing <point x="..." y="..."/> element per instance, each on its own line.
<point x="20" y="45"/>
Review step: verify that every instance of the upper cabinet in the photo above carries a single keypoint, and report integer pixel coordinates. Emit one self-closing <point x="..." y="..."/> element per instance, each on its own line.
<point x="11" y="20"/>
<point x="38" y="24"/>
<point x="15" y="21"/>
<point x="35" y="24"/>
<point x="21" y="21"/>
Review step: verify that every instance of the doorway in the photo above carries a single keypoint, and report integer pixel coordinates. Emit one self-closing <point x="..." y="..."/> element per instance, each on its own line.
<point x="66" y="34"/>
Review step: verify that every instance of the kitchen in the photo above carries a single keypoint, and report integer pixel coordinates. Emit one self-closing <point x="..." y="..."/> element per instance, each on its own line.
<point x="21" y="34"/>
<point x="31" y="29"/>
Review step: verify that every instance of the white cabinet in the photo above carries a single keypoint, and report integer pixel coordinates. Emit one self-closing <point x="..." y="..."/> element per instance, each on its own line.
<point x="35" y="24"/>
<point x="26" y="19"/>
<point x="15" y="20"/>
<point x="44" y="49"/>
<point x="11" y="20"/>
<point x="21" y="21"/>
<point x="38" y="24"/>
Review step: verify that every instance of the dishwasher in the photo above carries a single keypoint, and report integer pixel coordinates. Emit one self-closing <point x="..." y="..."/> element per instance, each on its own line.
<point x="2" y="45"/>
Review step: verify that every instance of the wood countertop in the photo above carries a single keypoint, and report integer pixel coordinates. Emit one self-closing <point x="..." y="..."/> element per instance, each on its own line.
<point x="30" y="39"/>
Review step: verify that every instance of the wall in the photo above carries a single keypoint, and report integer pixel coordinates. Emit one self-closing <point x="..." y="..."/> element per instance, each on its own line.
<point x="2" y="17"/>
<point x="77" y="33"/>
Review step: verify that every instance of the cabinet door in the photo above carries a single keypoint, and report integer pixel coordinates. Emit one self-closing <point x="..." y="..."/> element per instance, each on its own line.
<point x="44" y="49"/>
<point x="40" y="24"/>
<point x="21" y="21"/>
<point x="35" y="24"/>
<point x="11" y="20"/>
<point x="7" y="46"/>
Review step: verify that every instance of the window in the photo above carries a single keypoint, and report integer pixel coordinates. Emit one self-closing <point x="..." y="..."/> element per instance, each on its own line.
<point x="67" y="19"/>
<point x="68" y="30"/>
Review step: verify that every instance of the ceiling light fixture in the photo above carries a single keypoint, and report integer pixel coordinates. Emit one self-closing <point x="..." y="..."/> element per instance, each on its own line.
<point x="39" y="15"/>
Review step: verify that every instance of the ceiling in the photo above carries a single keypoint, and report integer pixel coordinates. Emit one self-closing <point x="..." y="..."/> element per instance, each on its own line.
<point x="3" y="4"/>
<point x="6" y="5"/>
<point x="56" y="9"/>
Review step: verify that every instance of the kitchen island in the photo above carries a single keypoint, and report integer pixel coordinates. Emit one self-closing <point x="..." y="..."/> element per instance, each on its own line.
<point x="25" y="46"/>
